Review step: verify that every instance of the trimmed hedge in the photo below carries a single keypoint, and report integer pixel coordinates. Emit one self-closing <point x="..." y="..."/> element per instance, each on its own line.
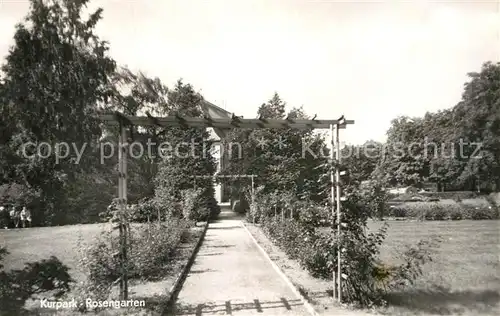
<point x="441" y="211"/>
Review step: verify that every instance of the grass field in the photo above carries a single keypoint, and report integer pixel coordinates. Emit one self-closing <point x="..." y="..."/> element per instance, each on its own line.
<point x="33" y="244"/>
<point x="464" y="277"/>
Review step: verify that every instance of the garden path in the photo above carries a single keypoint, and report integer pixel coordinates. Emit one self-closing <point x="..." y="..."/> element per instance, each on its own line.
<point x="231" y="277"/>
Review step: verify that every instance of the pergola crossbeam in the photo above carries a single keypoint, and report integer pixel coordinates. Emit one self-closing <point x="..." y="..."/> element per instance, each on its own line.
<point x="226" y="176"/>
<point x="234" y="122"/>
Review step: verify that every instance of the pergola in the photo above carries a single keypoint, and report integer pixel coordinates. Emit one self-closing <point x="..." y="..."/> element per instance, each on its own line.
<point x="221" y="126"/>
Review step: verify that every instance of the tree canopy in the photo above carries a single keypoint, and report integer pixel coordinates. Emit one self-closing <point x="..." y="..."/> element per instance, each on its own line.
<point x="458" y="146"/>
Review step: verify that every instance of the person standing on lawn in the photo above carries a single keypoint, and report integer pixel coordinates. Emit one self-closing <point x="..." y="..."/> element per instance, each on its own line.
<point x="4" y="217"/>
<point x="14" y="216"/>
<point x="23" y="216"/>
<point x="27" y="214"/>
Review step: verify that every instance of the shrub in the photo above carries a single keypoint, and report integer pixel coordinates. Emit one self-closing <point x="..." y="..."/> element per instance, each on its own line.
<point x="213" y="207"/>
<point x="150" y="250"/>
<point x="376" y="197"/>
<point x="456" y="214"/>
<point x="437" y="212"/>
<point x="193" y="208"/>
<point x="152" y="247"/>
<point x="494" y="199"/>
<point x="165" y="204"/>
<point x="480" y="213"/>
<point x="238" y="207"/>
<point x="254" y="214"/>
<point x="413" y="258"/>
<point x="360" y="262"/>
<point x="315" y="259"/>
<point x="197" y="206"/>
<point x="145" y="211"/>
<point x="260" y="206"/>
<point x="416" y="211"/>
<point x="101" y="266"/>
<point x="317" y="251"/>
<point x="314" y="215"/>
<point x="287" y="234"/>
<point x="411" y="197"/>
<point x="397" y="211"/>
<point x="443" y="211"/>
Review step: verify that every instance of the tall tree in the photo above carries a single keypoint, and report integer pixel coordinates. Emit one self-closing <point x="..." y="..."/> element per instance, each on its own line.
<point x="459" y="147"/>
<point x="403" y="161"/>
<point x="361" y="161"/>
<point x="477" y="120"/>
<point x="284" y="159"/>
<point x="54" y="78"/>
<point x="187" y="153"/>
<point x="136" y="94"/>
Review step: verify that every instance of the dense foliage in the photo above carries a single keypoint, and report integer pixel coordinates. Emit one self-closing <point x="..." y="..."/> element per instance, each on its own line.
<point x="458" y="148"/>
<point x="182" y="162"/>
<point x="285" y="160"/>
<point x="151" y="249"/>
<point x="55" y="79"/>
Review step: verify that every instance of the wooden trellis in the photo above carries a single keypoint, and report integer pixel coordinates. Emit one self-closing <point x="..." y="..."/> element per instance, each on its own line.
<point x="124" y="121"/>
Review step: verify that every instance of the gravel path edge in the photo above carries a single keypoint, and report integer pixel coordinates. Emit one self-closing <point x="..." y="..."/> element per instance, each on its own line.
<point x="296" y="291"/>
<point x="176" y="287"/>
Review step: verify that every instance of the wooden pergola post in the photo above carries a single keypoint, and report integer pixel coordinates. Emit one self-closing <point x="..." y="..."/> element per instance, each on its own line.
<point x="339" y="215"/>
<point x="122" y="198"/>
<point x="253" y="187"/>
<point x="253" y="200"/>
<point x="332" y="200"/>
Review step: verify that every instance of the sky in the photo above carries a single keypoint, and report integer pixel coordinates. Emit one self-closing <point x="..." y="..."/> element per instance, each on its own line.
<point x="368" y="60"/>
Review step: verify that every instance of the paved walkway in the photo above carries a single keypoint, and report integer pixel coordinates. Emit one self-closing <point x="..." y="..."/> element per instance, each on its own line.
<point x="231" y="277"/>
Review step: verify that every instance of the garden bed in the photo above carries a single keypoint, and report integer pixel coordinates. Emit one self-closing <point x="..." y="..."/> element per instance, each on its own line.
<point x="157" y="294"/>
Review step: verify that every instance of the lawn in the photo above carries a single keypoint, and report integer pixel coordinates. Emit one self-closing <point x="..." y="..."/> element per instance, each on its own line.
<point x="464" y="277"/>
<point x="33" y="244"/>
